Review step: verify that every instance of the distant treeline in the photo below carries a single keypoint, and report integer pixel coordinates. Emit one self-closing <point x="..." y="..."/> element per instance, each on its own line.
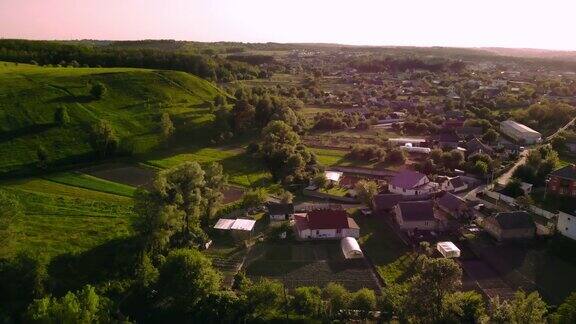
<point x="373" y="65"/>
<point x="126" y="54"/>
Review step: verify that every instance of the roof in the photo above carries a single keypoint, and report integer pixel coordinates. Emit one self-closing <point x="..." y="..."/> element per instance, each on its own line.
<point x="417" y="210"/>
<point x="235" y="224"/>
<point x="567" y="172"/>
<point x="407" y="179"/>
<point x="519" y="127"/>
<point x="451" y="202"/>
<point x="448" y="137"/>
<point x="333" y="175"/>
<point x="514" y="220"/>
<point x="476" y="145"/>
<point x="457" y="182"/>
<point x="328" y="219"/>
<point x="280" y="209"/>
<point x="469" y="130"/>
<point x="387" y="201"/>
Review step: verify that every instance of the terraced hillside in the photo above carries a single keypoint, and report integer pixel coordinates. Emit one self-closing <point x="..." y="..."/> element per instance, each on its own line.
<point x="135" y="98"/>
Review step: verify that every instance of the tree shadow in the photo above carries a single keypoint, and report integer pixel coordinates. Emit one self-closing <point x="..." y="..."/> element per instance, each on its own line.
<point x="72" y="99"/>
<point x="27" y="130"/>
<point x="113" y="260"/>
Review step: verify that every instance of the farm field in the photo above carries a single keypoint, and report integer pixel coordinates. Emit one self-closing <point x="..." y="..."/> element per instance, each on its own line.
<point x="86" y="181"/>
<point x="59" y="218"/>
<point x="133" y="101"/>
<point x="311" y="263"/>
<point x="242" y="169"/>
<point x="134" y="175"/>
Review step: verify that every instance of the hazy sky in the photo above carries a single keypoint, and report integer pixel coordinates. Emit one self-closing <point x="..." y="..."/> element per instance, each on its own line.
<point x="507" y="23"/>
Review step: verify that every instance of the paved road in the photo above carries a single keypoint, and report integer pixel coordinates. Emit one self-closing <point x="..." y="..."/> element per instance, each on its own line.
<point x="505" y="178"/>
<point x="570" y="123"/>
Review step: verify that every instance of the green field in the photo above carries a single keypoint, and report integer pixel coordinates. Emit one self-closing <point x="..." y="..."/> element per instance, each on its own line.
<point x="242" y="169"/>
<point x="329" y="157"/>
<point x="30" y="95"/>
<point x="77" y="179"/>
<point x="64" y="219"/>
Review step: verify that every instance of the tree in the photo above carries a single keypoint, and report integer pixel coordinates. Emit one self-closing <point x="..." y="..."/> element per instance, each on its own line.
<point x="146" y="273"/>
<point x="166" y="126"/>
<point x="180" y="198"/>
<point x="364" y="301"/>
<point x="320" y="180"/>
<point x="42" y="156"/>
<point x="219" y="100"/>
<point x="396" y="156"/>
<point x="365" y="191"/>
<point x="186" y="279"/>
<point x="254" y="198"/>
<point x="61" y="116"/>
<point x="499" y="311"/>
<point x="464" y="307"/>
<point x="566" y="312"/>
<point x="481" y="168"/>
<point x="286" y="197"/>
<point x="264" y="298"/>
<point x="337" y="296"/>
<point x="490" y="136"/>
<point x="435" y="279"/>
<point x="104" y="138"/>
<point x="83" y="307"/>
<point x="528" y="308"/>
<point x="513" y="188"/>
<point x="559" y="143"/>
<point x="307" y="301"/>
<point x="10" y="209"/>
<point x="98" y="90"/>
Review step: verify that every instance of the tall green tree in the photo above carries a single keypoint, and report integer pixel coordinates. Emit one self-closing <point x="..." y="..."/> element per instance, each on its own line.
<point x="364" y="301"/>
<point x="166" y="126"/>
<point x="566" y="312"/>
<point x="464" y="307"/>
<point x="365" y="191"/>
<point x="105" y="140"/>
<point x="61" y="116"/>
<point x="186" y="279"/>
<point x="528" y="308"/>
<point x="97" y="90"/>
<point x="308" y="301"/>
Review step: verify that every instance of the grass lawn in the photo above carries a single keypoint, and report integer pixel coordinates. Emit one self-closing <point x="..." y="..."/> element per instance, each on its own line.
<point x="59" y="218"/>
<point x="329" y="157"/>
<point x="389" y="254"/>
<point x="86" y="181"/>
<point x="242" y="169"/>
<point x="132" y="104"/>
<point x="335" y="191"/>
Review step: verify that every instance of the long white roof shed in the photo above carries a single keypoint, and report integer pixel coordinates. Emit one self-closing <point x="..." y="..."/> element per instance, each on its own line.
<point x="235" y="224"/>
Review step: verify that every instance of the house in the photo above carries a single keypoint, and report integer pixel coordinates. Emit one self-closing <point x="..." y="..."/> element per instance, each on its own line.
<point x="416" y="215"/>
<point x="566" y="225"/>
<point x="468" y="132"/>
<point x="475" y="146"/>
<point x="385" y="202"/>
<point x="325" y="224"/>
<point x="453" y="205"/>
<point x="411" y="183"/>
<point x="280" y="212"/>
<point x="240" y="229"/>
<point x="448" y="140"/>
<point x="563" y="181"/>
<point x="455" y="184"/>
<point x="510" y="226"/>
<point x="520" y="133"/>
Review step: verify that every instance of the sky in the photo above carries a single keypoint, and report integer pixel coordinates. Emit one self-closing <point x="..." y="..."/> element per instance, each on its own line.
<point x="546" y="24"/>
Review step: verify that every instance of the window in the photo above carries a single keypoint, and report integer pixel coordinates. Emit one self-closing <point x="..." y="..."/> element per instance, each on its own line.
<point x="317" y="232"/>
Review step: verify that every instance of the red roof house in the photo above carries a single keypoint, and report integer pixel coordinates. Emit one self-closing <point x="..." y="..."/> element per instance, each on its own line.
<point x="325" y="224"/>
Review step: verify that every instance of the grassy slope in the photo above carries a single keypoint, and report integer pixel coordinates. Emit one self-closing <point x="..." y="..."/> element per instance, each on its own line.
<point x="30" y="95"/>
<point x="86" y="181"/>
<point x="59" y="218"/>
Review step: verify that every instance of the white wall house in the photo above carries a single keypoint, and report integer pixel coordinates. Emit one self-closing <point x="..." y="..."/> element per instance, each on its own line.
<point x="416" y="215"/>
<point x="325" y="224"/>
<point x="411" y="183"/>
<point x="567" y="225"/>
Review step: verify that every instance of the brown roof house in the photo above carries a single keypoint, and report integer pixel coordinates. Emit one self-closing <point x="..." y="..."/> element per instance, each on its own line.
<point x="325" y="224"/>
<point x="510" y="226"/>
<point x="418" y="215"/>
<point x="453" y="205"/>
<point x="563" y="181"/>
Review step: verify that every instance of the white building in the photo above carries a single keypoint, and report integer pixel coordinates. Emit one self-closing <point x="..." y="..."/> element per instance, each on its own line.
<point x="448" y="249"/>
<point x="351" y="248"/>
<point x="567" y="225"/>
<point x="519" y="132"/>
<point x="325" y="224"/>
<point x="412" y="183"/>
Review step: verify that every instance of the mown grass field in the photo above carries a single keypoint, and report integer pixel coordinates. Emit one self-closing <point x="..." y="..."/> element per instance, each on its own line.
<point x="60" y="218"/>
<point x="86" y="181"/>
<point x="242" y="169"/>
<point x="135" y="98"/>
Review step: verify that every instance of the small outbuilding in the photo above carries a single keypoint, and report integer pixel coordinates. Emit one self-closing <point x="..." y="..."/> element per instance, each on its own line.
<point x="351" y="248"/>
<point x="448" y="249"/>
<point x="240" y="229"/>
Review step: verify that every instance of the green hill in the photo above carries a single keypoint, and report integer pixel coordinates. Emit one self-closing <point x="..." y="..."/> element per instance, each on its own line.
<point x="135" y="98"/>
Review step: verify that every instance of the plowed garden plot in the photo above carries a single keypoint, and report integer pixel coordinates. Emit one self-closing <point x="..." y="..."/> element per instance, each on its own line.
<point x="132" y="175"/>
<point x="312" y="264"/>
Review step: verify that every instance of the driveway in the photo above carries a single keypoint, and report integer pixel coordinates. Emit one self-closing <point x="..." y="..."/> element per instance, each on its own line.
<point x="505" y="178"/>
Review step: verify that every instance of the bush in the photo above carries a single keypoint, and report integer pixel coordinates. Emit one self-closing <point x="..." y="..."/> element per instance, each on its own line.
<point x="98" y="90"/>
